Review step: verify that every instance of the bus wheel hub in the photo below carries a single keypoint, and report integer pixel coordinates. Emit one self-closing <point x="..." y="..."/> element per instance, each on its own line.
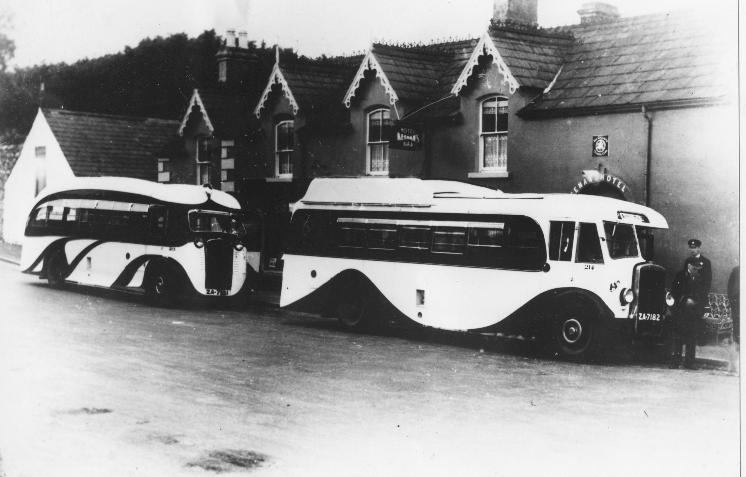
<point x="572" y="330"/>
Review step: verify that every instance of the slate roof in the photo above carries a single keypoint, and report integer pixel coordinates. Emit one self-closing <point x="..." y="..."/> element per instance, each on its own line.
<point x="316" y="84"/>
<point x="533" y="56"/>
<point x="424" y="73"/>
<point x="108" y="145"/>
<point x="229" y="112"/>
<point x="414" y="73"/>
<point x="623" y="63"/>
<point x="660" y="58"/>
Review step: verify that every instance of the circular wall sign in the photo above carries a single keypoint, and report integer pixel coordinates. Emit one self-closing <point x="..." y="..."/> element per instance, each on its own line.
<point x="600" y="146"/>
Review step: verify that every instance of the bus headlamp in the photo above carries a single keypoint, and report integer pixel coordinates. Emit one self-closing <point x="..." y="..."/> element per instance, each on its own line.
<point x="199" y="243"/>
<point x="238" y="246"/>
<point x="626" y="296"/>
<point x="670" y="299"/>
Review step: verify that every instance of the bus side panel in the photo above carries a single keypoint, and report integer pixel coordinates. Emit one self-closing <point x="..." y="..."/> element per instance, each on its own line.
<point x="446" y="297"/>
<point x="103" y="263"/>
<point x="31" y="253"/>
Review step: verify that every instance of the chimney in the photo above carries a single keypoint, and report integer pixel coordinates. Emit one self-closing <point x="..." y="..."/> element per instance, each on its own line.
<point x="237" y="65"/>
<point x="230" y="38"/>
<point x="515" y="11"/>
<point x="597" y="12"/>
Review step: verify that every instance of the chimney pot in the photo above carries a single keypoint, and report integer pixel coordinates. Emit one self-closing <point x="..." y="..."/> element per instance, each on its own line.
<point x="230" y="38"/>
<point x="597" y="12"/>
<point x="515" y="11"/>
<point x="243" y="39"/>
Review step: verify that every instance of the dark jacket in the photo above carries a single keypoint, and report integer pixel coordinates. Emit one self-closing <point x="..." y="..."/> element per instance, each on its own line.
<point x="693" y="283"/>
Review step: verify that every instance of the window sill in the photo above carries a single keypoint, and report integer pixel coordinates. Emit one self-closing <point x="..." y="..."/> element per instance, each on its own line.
<point x="279" y="179"/>
<point x="489" y="175"/>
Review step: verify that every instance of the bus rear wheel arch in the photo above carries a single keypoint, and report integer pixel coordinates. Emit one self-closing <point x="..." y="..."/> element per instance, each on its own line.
<point x="354" y="302"/>
<point x="56" y="268"/>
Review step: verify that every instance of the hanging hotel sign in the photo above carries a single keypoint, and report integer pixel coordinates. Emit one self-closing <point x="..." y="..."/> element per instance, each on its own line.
<point x="407" y="138"/>
<point x="595" y="177"/>
<point x="600" y="146"/>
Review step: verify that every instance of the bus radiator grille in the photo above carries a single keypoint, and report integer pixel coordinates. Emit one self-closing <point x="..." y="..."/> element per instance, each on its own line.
<point x="651" y="288"/>
<point x="218" y="264"/>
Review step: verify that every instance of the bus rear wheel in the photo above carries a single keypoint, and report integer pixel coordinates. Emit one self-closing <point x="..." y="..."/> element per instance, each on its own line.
<point x="575" y="331"/>
<point x="56" y="269"/>
<point x="351" y="312"/>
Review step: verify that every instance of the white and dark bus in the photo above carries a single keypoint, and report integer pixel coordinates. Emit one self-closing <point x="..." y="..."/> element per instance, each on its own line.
<point x="163" y="240"/>
<point x="572" y="269"/>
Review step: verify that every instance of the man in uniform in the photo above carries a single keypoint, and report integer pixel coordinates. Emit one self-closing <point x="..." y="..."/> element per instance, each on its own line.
<point x="690" y="288"/>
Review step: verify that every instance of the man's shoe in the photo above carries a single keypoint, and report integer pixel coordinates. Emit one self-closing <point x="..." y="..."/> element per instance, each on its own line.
<point x="673" y="365"/>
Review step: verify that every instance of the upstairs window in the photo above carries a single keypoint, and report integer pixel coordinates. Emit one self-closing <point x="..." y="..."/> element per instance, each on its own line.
<point x="203" y="160"/>
<point x="284" y="146"/>
<point x="493" y="135"/>
<point x="379" y="125"/>
<point x="222" y="71"/>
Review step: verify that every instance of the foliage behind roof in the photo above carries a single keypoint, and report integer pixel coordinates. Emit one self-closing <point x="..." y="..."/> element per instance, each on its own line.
<point x="108" y="145"/>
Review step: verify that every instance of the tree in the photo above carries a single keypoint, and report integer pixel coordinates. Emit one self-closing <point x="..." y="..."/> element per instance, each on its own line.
<point x="7" y="45"/>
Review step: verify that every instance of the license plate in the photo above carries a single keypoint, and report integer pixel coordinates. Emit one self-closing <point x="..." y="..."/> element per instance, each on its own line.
<point x="648" y="317"/>
<point x="214" y="292"/>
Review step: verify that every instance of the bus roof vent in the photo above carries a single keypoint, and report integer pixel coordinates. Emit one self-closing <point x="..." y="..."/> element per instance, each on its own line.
<point x="369" y="191"/>
<point x="461" y="190"/>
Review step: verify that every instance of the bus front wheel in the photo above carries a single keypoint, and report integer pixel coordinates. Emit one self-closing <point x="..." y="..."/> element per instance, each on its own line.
<point x="56" y="269"/>
<point x="159" y="285"/>
<point x="575" y="331"/>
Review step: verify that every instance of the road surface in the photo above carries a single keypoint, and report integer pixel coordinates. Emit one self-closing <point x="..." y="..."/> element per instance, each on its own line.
<point x="101" y="384"/>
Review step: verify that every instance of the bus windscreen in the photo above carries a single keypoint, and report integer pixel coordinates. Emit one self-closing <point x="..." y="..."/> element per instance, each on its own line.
<point x="621" y="240"/>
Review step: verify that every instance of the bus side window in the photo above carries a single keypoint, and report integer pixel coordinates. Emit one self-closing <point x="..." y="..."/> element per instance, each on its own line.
<point x="382" y="237"/>
<point x="561" y="236"/>
<point x="449" y="240"/>
<point x="414" y="237"/>
<point x="38" y="217"/>
<point x="589" y="246"/>
<point x="158" y="220"/>
<point x="351" y="235"/>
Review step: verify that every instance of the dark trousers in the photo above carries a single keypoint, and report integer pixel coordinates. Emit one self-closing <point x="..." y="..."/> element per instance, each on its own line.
<point x="681" y="340"/>
<point x="687" y="319"/>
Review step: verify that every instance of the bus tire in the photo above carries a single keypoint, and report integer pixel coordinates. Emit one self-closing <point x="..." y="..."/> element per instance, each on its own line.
<point x="353" y="306"/>
<point x="56" y="268"/>
<point x="160" y="285"/>
<point x="575" y="329"/>
<point x="351" y="312"/>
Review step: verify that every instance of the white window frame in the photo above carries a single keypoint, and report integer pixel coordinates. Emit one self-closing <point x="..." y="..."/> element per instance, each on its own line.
<point x="369" y="143"/>
<point x="278" y="151"/>
<point x="164" y="175"/>
<point x="200" y="163"/>
<point x="480" y="166"/>
<point x="227" y="163"/>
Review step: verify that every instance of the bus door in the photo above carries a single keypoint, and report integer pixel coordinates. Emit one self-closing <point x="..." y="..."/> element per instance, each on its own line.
<point x="588" y="265"/>
<point x="561" y="242"/>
